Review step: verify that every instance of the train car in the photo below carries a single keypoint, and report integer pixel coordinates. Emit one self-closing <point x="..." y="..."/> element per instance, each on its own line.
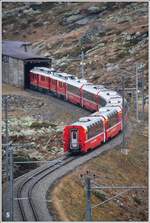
<point x="91" y="98"/>
<point x="40" y="78"/>
<point x="74" y="91"/>
<point x="33" y="80"/>
<point x="62" y="83"/>
<point x="89" y="132"/>
<point x="113" y="121"/>
<point x="84" y="135"/>
<point x="43" y="82"/>
<point x="48" y="80"/>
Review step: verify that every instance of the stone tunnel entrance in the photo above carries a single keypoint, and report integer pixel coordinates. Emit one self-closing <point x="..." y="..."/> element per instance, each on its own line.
<point x="30" y="64"/>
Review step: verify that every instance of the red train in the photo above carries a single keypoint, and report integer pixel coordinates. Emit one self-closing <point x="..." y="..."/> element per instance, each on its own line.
<point x="89" y="132"/>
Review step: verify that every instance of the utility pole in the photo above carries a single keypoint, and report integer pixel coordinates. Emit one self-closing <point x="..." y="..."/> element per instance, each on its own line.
<point x="82" y="64"/>
<point x="124" y="150"/>
<point x="137" y="107"/>
<point x="11" y="181"/>
<point x="6" y="134"/>
<point x="9" y="167"/>
<point x="142" y="71"/>
<point x="88" y="199"/>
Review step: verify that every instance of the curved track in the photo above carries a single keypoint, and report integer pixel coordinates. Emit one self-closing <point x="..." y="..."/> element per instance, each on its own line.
<point x="30" y="189"/>
<point x="26" y="187"/>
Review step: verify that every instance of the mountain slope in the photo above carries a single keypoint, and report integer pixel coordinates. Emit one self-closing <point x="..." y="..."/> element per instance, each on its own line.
<point x="112" y="35"/>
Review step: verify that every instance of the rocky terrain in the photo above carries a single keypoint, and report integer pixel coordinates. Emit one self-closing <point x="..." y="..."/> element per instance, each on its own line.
<point x="112" y="36"/>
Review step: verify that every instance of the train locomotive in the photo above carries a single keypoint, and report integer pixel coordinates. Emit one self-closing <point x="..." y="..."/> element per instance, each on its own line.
<point x="91" y="131"/>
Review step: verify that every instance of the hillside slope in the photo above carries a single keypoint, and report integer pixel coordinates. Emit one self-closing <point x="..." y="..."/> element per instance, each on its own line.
<point x="112" y="35"/>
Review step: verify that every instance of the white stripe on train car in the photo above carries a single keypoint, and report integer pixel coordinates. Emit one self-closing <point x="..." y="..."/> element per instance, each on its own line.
<point x="114" y="126"/>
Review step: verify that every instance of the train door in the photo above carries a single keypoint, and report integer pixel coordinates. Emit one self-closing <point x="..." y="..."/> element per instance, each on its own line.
<point x="53" y="85"/>
<point x="74" y="139"/>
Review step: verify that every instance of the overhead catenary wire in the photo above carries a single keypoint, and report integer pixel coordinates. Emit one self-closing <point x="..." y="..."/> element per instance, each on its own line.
<point x="89" y="188"/>
<point x="110" y="199"/>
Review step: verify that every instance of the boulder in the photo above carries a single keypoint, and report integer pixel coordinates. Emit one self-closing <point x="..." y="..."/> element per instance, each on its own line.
<point x="70" y="13"/>
<point x="45" y="23"/>
<point x="62" y="62"/>
<point x="72" y="19"/>
<point x="100" y="45"/>
<point x="24" y="23"/>
<point x="83" y="21"/>
<point x="110" y="67"/>
<point x="38" y="24"/>
<point x="101" y="195"/>
<point x="94" y="10"/>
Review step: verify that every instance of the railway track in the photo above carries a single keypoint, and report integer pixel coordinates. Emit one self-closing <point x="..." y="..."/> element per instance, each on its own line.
<point x="30" y="184"/>
<point x="31" y="204"/>
<point x="30" y="190"/>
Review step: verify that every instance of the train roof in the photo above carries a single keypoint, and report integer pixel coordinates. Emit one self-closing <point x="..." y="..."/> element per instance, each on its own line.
<point x="47" y="72"/>
<point x="77" y="82"/>
<point x="114" y="101"/>
<point x="61" y="76"/>
<point x="111" y="97"/>
<point x="94" y="89"/>
<point x="107" y="94"/>
<point x="43" y="69"/>
<point x="107" y="109"/>
<point x="88" y="121"/>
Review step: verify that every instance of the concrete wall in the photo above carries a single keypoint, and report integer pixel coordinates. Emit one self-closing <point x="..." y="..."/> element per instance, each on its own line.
<point x="13" y="71"/>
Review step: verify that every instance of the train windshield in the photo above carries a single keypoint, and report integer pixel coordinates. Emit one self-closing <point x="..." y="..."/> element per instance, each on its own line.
<point x="74" y="135"/>
<point x="74" y="138"/>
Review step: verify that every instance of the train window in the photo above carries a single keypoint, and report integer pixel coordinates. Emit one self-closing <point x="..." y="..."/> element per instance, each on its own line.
<point x="42" y="78"/>
<point x="53" y="81"/>
<point x="73" y="89"/>
<point x="95" y="129"/>
<point x="74" y="134"/>
<point x="60" y="84"/>
<point x="89" y="96"/>
<point x="5" y="59"/>
<point x="101" y="101"/>
<point x="113" y="119"/>
<point x="71" y="77"/>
